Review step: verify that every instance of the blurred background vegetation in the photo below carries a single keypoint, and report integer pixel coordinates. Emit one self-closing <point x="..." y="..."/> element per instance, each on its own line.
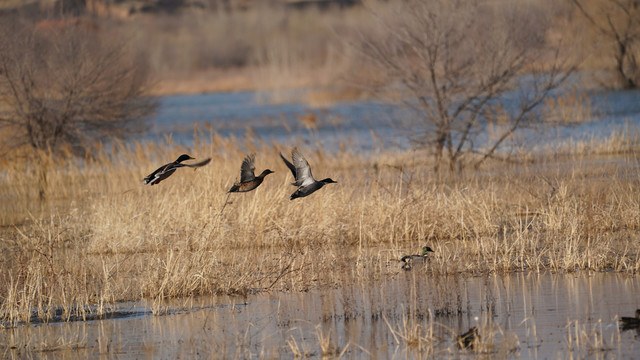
<point x="76" y="72"/>
<point x="211" y="45"/>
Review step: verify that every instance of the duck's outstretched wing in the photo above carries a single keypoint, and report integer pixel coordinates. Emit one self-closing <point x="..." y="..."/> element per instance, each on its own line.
<point x="296" y="181"/>
<point x="196" y="165"/>
<point x="289" y="165"/>
<point x="247" y="169"/>
<point x="303" y="170"/>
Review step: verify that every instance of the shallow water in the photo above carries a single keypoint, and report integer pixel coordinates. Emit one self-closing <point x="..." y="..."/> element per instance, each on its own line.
<point x="350" y="124"/>
<point x="544" y="316"/>
<point x="241" y="113"/>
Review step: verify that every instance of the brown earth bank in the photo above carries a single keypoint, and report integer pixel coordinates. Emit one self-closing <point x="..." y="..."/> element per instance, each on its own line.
<point x="205" y="82"/>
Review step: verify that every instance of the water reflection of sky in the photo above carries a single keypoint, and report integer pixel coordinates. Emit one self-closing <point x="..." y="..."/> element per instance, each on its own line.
<point x="349" y="122"/>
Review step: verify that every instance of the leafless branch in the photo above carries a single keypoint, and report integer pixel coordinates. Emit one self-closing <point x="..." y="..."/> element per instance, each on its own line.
<point x="453" y="61"/>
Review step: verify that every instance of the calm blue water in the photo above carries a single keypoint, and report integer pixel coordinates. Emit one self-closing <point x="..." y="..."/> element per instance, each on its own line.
<point x="237" y="114"/>
<point x="348" y="124"/>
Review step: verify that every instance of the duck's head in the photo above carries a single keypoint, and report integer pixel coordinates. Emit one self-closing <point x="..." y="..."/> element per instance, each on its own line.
<point x="266" y="172"/>
<point x="426" y="249"/>
<point x="184" y="157"/>
<point x="328" y="181"/>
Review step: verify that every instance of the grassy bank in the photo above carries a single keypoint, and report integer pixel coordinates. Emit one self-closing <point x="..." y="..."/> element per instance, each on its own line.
<point x="103" y="237"/>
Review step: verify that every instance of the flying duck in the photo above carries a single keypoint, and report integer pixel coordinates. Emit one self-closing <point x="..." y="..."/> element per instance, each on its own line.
<point x="408" y="259"/>
<point x="248" y="181"/>
<point x="165" y="171"/>
<point x="630" y="323"/>
<point x="301" y="171"/>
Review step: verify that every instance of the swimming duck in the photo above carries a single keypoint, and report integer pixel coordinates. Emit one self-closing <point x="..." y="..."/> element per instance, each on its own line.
<point x="408" y="259"/>
<point x="248" y="181"/>
<point x="629" y="322"/>
<point x="165" y="171"/>
<point x="468" y="339"/>
<point x="301" y="170"/>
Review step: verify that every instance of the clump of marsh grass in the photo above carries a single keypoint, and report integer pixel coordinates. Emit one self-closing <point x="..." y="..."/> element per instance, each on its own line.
<point x="571" y="107"/>
<point x="327" y="347"/>
<point x="414" y="334"/>
<point x="496" y="342"/>
<point x="589" y="339"/>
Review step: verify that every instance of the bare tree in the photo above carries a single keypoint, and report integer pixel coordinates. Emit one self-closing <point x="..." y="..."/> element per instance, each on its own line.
<point x="456" y="63"/>
<point x="618" y="21"/>
<point x="64" y="86"/>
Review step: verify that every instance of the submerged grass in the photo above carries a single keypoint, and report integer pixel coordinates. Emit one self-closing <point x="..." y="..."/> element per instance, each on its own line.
<point x="103" y="238"/>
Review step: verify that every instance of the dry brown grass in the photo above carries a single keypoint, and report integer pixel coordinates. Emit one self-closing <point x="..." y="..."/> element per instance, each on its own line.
<point x="104" y="238"/>
<point x="571" y="107"/>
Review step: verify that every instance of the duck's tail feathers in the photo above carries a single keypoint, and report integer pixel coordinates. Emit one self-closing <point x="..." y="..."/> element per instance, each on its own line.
<point x="149" y="181"/>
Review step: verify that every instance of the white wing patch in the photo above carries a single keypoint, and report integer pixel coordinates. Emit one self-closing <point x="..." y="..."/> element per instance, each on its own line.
<point x="303" y="170"/>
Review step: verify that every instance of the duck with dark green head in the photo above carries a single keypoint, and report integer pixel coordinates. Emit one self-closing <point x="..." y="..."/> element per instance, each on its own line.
<point x="409" y="260"/>
<point x="248" y="180"/>
<point x="165" y="171"/>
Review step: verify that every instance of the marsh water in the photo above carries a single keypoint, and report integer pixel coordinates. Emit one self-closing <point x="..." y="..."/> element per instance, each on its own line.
<point x="524" y="315"/>
<point x="359" y="126"/>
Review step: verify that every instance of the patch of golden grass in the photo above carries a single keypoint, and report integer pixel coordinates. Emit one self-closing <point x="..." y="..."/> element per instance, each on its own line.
<point x="571" y="107"/>
<point x="625" y="140"/>
<point x="104" y="237"/>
